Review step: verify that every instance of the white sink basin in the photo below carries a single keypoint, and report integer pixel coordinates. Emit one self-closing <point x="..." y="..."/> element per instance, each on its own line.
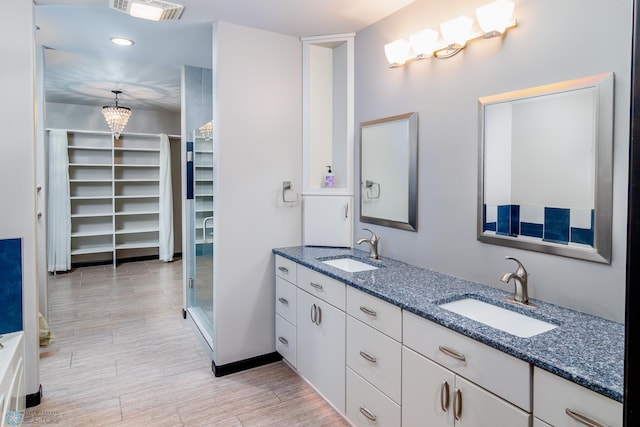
<point x="500" y="318"/>
<point x="349" y="265"/>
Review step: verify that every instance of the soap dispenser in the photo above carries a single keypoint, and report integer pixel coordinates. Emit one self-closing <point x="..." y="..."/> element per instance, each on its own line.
<point x="329" y="178"/>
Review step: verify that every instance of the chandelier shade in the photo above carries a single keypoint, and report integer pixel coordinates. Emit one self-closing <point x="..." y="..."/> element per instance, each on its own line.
<point x="116" y="116"/>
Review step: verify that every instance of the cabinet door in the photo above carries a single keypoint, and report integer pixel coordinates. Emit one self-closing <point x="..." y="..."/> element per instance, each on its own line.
<point x="479" y="408"/>
<point x="327" y="220"/>
<point x="426" y="392"/>
<point x="321" y="347"/>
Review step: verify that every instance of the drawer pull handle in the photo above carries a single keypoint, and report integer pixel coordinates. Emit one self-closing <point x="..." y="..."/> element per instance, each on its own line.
<point x="368" y="357"/>
<point x="452" y="353"/>
<point x="457" y="404"/>
<point x="368" y="311"/>
<point x="316" y="285"/>
<point x="364" y="411"/>
<point x="283" y="300"/>
<point x="444" y="396"/>
<point x="583" y="419"/>
<point x="283" y="340"/>
<point x="284" y="270"/>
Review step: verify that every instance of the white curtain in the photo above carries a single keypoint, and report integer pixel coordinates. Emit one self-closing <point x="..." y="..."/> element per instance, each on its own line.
<point x="58" y="204"/>
<point x="166" y="201"/>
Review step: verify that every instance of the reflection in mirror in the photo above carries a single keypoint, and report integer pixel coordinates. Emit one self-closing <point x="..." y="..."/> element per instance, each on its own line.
<point x="388" y="171"/>
<point x="545" y="168"/>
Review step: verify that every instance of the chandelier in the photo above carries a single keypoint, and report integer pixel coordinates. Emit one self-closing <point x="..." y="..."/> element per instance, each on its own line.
<point x="206" y="130"/>
<point x="116" y="116"/>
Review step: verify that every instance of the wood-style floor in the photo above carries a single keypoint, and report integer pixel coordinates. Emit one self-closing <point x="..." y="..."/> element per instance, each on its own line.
<point x="123" y="356"/>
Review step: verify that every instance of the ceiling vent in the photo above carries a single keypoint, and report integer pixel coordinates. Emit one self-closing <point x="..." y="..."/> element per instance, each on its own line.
<point x="153" y="10"/>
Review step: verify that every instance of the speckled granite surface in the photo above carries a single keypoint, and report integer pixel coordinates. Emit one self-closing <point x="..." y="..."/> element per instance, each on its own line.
<point x="585" y="349"/>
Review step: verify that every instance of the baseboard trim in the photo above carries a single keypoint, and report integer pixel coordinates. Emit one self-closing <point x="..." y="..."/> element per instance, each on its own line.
<point x="242" y="365"/>
<point x="34" y="399"/>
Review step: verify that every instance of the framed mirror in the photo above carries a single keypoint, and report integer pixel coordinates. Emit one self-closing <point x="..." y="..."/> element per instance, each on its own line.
<point x="545" y="168"/>
<point x="389" y="171"/>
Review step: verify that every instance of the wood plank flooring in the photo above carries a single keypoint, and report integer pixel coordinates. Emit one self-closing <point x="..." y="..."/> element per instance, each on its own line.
<point x="123" y="356"/>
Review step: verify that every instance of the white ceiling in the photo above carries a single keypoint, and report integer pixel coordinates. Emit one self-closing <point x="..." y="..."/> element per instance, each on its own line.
<point x="82" y="66"/>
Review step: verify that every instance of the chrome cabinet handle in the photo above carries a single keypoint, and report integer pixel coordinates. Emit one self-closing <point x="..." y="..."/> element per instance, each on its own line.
<point x="457" y="404"/>
<point x="283" y="340"/>
<point x="284" y="269"/>
<point x="364" y="411"/>
<point x="319" y="319"/>
<point x="314" y="313"/>
<point x="283" y="301"/>
<point x="444" y="396"/>
<point x="368" y="311"/>
<point x="316" y="285"/>
<point x="368" y="357"/>
<point x="583" y="419"/>
<point x="452" y="353"/>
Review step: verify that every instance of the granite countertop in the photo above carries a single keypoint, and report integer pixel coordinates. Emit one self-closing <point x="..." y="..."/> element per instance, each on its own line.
<point x="584" y="349"/>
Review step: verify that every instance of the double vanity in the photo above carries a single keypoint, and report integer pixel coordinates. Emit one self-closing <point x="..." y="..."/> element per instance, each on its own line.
<point x="390" y="344"/>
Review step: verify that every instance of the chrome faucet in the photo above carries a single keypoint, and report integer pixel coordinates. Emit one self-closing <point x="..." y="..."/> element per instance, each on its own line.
<point x="520" y="277"/>
<point x="373" y="244"/>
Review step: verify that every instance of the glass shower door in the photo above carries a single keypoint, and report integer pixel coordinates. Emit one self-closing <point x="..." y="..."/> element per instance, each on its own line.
<point x="200" y="293"/>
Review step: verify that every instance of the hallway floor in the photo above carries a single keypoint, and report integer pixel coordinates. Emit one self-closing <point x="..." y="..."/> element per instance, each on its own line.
<point x="123" y="356"/>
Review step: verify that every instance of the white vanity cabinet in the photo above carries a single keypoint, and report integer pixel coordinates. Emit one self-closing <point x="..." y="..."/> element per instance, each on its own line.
<point x="321" y="347"/>
<point x="285" y="302"/>
<point x="450" y="379"/>
<point x="374" y="360"/>
<point x="562" y="403"/>
<point x="12" y="387"/>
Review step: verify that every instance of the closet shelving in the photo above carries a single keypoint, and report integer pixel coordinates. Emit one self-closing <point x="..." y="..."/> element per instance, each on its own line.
<point x="203" y="194"/>
<point x="114" y="193"/>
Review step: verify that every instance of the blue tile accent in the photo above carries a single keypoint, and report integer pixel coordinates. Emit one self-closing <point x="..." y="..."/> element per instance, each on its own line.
<point x="531" y="229"/>
<point x="504" y="219"/>
<point x="556" y="225"/>
<point x="514" y="228"/>
<point x="585" y="349"/>
<point x="583" y="235"/>
<point x="10" y="285"/>
<point x="487" y="226"/>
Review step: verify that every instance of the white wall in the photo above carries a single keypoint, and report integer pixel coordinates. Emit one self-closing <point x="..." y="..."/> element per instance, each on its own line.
<point x="258" y="117"/>
<point x="89" y="117"/>
<point x="554" y="41"/>
<point x="17" y="163"/>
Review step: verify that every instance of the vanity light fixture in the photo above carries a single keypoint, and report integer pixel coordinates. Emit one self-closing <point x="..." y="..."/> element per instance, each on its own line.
<point x="152" y="10"/>
<point x="494" y="19"/>
<point x="116" y="115"/>
<point x="121" y="41"/>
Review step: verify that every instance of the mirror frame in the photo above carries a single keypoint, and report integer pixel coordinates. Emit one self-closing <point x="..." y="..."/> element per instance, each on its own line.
<point x="603" y="152"/>
<point x="412" y="220"/>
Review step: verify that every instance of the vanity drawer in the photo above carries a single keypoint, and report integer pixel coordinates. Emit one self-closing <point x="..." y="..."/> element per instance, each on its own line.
<point x="379" y="314"/>
<point x="323" y="287"/>
<point x="375" y="357"/>
<point x="552" y="396"/>
<point x="366" y="406"/>
<point x="286" y="300"/>
<point x="498" y="372"/>
<point x="286" y="269"/>
<point x="286" y="340"/>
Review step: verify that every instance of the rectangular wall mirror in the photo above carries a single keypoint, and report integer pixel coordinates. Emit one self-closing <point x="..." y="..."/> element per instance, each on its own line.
<point x="545" y="168"/>
<point x="388" y="171"/>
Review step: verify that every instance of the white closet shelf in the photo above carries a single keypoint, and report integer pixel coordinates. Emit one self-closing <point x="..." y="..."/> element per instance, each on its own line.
<point x="204" y="194"/>
<point x="144" y="150"/>
<point x="145" y="196"/>
<point x="205" y="166"/>
<point x="89" y="148"/>
<point x="92" y="233"/>
<point x="90" y="198"/>
<point x="92" y="250"/>
<point x="137" y="230"/>
<point x="137" y="180"/>
<point x="134" y="165"/>
<point x="94" y="165"/>
<point x="88" y="181"/>
<point x="92" y="215"/>
<point x="138" y="245"/>
<point x="137" y="213"/>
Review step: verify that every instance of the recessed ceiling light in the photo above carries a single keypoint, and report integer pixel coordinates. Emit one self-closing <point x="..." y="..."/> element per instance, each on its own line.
<point x="121" y="41"/>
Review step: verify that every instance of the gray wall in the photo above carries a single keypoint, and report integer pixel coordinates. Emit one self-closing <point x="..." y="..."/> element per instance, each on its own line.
<point x="554" y="41"/>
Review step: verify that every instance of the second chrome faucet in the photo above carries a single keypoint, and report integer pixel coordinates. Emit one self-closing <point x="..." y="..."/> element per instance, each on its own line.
<point x="373" y="244"/>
